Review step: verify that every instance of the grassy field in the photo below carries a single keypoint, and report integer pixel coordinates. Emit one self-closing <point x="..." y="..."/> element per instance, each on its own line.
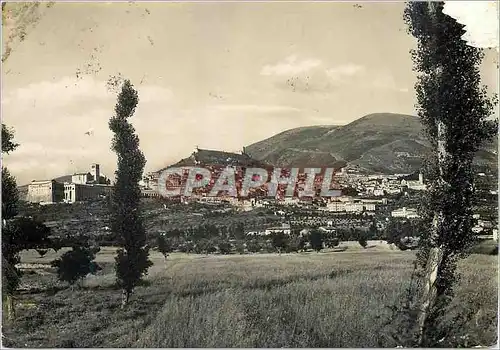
<point x="327" y="299"/>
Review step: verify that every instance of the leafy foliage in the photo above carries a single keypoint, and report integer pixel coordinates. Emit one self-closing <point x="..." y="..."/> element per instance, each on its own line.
<point x="296" y="244"/>
<point x="362" y="240"/>
<point x="132" y="260"/>
<point x="205" y="246"/>
<point x="224" y="247"/>
<point x="240" y="248"/>
<point x="19" y="234"/>
<point x="253" y="246"/>
<point x="454" y="108"/>
<point x="10" y="195"/>
<point x="8" y="144"/>
<point x="332" y="242"/>
<point x="75" y="264"/>
<point x="404" y="233"/>
<point x="279" y="241"/>
<point x="164" y="245"/>
<point x="316" y="240"/>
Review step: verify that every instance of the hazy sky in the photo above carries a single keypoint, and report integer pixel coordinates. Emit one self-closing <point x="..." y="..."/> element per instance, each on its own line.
<point x="215" y="75"/>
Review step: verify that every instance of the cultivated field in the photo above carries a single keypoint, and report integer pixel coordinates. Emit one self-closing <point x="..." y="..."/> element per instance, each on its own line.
<point x="327" y="299"/>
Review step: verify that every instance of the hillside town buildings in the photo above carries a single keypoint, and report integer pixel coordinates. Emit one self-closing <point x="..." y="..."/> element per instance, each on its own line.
<point x="376" y="187"/>
<point x="81" y="187"/>
<point x="45" y="191"/>
<point x="407" y="213"/>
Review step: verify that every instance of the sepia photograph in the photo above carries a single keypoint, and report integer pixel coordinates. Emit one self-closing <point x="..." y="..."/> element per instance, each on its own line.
<point x="250" y="174"/>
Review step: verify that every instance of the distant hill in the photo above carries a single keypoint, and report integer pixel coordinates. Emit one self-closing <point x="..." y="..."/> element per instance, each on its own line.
<point x="204" y="157"/>
<point x="380" y="142"/>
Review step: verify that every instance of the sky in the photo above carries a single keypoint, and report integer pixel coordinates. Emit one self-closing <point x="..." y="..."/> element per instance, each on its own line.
<point x="214" y="75"/>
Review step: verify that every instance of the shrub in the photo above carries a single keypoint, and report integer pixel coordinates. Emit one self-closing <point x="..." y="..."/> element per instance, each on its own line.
<point x="253" y="246"/>
<point x="279" y="241"/>
<point x="224" y="247"/>
<point x="362" y="241"/>
<point x="332" y="242"/>
<point x="316" y="240"/>
<point x="205" y="246"/>
<point x="240" y="248"/>
<point x="75" y="264"/>
<point x="296" y="244"/>
<point x="164" y="245"/>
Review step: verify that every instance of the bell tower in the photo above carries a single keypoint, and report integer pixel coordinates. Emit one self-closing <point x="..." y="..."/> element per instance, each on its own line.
<point x="95" y="172"/>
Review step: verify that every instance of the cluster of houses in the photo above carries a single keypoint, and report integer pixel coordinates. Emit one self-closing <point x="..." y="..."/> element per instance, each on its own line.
<point x="71" y="188"/>
<point x="381" y="185"/>
<point x="216" y="161"/>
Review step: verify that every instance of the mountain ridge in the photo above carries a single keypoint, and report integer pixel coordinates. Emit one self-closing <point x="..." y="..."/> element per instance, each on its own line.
<point x="377" y="142"/>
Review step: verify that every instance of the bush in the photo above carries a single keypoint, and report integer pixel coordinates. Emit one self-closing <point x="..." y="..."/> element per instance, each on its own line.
<point x="186" y="247"/>
<point x="253" y="246"/>
<point x="225" y="247"/>
<point x="240" y="248"/>
<point x="164" y="245"/>
<point x="75" y="264"/>
<point x="332" y="242"/>
<point x="296" y="244"/>
<point x="205" y="246"/>
<point x="279" y="241"/>
<point x="362" y="241"/>
<point x="316" y="240"/>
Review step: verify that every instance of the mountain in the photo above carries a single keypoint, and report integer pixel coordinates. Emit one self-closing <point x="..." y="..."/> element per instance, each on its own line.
<point x="380" y="142"/>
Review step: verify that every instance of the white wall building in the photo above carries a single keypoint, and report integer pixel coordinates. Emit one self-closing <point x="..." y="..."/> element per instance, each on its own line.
<point x="285" y="228"/>
<point x="369" y="207"/>
<point x="354" y="207"/>
<point x="335" y="206"/>
<point x="47" y="191"/>
<point x="75" y="192"/>
<point x="407" y="213"/>
<point x="81" y="178"/>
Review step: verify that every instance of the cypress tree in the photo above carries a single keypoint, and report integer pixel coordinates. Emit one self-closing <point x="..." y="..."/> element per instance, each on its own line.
<point x="454" y="108"/>
<point x="132" y="261"/>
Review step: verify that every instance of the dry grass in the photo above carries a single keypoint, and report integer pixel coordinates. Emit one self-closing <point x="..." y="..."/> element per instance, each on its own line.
<point x="300" y="300"/>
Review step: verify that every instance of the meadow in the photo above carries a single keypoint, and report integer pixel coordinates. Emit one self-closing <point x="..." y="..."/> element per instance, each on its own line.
<point x="326" y="299"/>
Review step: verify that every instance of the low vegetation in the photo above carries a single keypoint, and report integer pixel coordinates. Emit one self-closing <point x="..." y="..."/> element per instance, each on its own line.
<point x="262" y="300"/>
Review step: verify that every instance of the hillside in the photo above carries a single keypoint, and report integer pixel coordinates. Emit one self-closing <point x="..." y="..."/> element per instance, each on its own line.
<point x="381" y="142"/>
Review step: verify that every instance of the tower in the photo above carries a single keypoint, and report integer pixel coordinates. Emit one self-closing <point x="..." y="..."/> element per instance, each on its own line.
<point x="420" y="178"/>
<point x="95" y="172"/>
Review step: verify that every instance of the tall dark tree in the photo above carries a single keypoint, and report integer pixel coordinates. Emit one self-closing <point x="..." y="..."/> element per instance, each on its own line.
<point x="132" y="260"/>
<point x="164" y="246"/>
<point x="316" y="239"/>
<point x="18" y="233"/>
<point x="8" y="144"/>
<point x="279" y="241"/>
<point x="453" y="107"/>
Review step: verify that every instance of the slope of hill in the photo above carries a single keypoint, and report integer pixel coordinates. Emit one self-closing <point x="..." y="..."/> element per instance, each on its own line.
<point x="272" y="147"/>
<point x="380" y="142"/>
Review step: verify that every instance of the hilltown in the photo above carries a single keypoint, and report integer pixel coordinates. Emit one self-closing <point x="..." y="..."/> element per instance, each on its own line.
<point x="238" y="182"/>
<point x="365" y="194"/>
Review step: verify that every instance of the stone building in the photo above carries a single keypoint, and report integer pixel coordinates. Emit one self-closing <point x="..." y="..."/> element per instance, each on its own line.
<point x="408" y="213"/>
<point x="46" y="191"/>
<point x="71" y="188"/>
<point x="81" y="178"/>
<point x="74" y="192"/>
